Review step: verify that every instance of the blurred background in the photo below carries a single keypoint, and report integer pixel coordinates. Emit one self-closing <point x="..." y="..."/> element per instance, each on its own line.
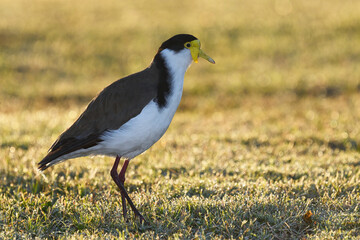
<point x="261" y="137"/>
<point x="64" y="52"/>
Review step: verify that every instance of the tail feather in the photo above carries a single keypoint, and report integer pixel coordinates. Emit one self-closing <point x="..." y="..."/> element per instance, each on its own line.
<point x="65" y="146"/>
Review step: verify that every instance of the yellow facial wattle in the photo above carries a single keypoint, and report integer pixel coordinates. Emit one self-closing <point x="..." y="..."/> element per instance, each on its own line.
<point x="196" y="52"/>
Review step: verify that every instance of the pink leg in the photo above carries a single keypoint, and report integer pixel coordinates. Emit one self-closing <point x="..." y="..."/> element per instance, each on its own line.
<point x="123" y="170"/>
<point x="122" y="180"/>
<point x="119" y="180"/>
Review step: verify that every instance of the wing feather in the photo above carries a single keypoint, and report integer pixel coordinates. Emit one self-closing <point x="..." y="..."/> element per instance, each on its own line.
<point x="114" y="106"/>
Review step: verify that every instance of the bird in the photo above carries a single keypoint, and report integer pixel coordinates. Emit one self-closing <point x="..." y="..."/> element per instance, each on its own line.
<point x="127" y="117"/>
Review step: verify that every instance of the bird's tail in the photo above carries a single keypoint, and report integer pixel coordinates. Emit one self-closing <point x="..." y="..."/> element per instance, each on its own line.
<point x="64" y="149"/>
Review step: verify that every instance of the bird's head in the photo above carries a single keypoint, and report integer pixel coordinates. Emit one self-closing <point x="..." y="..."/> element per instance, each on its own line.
<point x="186" y="45"/>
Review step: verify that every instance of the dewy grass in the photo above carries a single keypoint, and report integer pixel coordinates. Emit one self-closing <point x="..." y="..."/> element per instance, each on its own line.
<point x="265" y="144"/>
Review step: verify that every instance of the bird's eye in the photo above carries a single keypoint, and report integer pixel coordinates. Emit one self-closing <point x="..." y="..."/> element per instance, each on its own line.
<point x="187" y="45"/>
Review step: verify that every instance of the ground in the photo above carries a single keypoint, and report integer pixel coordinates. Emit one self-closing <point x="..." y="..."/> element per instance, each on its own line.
<point x="265" y="144"/>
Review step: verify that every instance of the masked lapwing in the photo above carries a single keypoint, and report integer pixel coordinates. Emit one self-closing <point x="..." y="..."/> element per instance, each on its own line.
<point x="131" y="114"/>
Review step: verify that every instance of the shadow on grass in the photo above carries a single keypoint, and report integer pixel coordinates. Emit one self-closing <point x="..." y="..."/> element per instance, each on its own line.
<point x="16" y="143"/>
<point x="17" y="182"/>
<point x="231" y="221"/>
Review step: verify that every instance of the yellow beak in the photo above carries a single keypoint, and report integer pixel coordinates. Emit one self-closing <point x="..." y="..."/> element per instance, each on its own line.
<point x="196" y="52"/>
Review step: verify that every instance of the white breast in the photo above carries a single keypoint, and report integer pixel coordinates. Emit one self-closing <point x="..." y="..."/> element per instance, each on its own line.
<point x="142" y="131"/>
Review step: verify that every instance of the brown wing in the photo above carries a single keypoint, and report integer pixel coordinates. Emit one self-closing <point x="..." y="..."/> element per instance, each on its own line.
<point x="114" y="106"/>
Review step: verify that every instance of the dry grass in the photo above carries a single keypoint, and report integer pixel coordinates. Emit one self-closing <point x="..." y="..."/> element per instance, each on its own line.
<point x="262" y="137"/>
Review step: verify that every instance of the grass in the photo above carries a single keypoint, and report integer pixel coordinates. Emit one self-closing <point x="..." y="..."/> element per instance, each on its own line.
<point x="268" y="134"/>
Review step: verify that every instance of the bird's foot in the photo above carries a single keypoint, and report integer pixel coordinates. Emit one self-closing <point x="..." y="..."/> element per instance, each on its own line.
<point x="137" y="215"/>
<point x="141" y="218"/>
<point x="133" y="208"/>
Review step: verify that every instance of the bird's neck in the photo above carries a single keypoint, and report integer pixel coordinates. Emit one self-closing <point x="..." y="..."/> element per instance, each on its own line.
<point x="172" y="67"/>
<point x="177" y="61"/>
